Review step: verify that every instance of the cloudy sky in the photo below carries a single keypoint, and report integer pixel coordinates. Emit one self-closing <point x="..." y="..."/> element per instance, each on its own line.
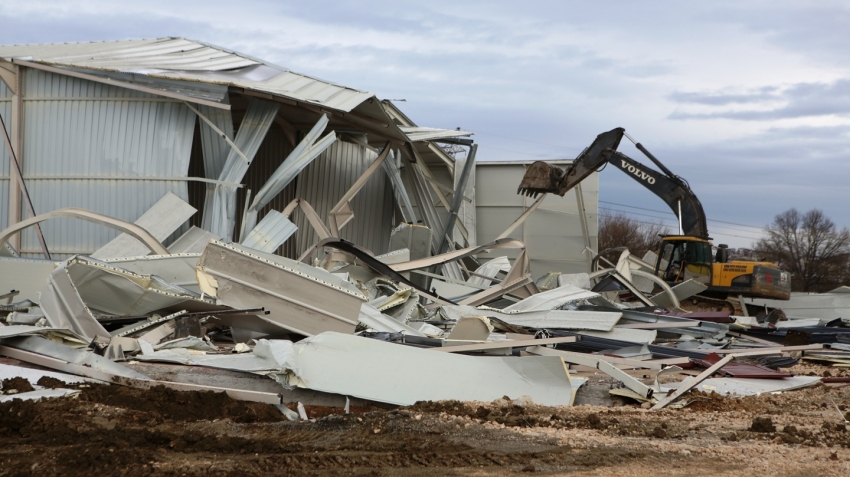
<point x="749" y="101"/>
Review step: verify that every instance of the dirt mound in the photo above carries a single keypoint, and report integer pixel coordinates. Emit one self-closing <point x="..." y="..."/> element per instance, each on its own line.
<point x="52" y="383"/>
<point x="20" y="385"/>
<point x="182" y="406"/>
<point x="701" y="401"/>
<point x="763" y="424"/>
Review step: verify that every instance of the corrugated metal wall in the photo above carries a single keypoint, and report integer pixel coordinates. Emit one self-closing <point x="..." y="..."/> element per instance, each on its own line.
<point x="324" y="182"/>
<point x="552" y="234"/>
<point x="6" y="112"/>
<point x="272" y="152"/>
<point x="110" y="150"/>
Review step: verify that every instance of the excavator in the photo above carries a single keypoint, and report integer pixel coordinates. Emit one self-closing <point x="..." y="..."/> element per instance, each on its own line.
<point x="681" y="257"/>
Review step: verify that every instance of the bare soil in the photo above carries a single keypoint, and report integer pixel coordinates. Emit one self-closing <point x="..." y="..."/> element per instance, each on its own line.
<point x="111" y="430"/>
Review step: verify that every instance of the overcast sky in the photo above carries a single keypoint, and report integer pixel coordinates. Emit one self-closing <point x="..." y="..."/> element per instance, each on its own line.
<point x="749" y="101"/>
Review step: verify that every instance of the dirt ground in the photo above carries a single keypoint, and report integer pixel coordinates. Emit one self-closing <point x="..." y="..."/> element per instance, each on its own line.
<point x="111" y="430"/>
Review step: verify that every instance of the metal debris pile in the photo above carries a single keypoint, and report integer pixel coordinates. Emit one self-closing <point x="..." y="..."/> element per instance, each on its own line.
<point x="343" y="324"/>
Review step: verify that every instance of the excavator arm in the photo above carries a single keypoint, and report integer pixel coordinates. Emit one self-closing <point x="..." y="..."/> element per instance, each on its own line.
<point x="672" y="189"/>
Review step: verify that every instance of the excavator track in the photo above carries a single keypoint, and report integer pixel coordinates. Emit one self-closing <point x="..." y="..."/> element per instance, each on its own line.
<point x="704" y="303"/>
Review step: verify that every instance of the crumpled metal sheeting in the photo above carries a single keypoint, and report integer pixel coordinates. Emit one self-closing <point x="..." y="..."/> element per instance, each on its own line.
<point x="267" y="356"/>
<point x="548" y="319"/>
<point x="700" y="329"/>
<point x="374" y="319"/>
<point x="739" y="387"/>
<point x="741" y="370"/>
<point x="63" y="306"/>
<point x="43" y="346"/>
<point x="52" y="333"/>
<point x="301" y="298"/>
<point x="552" y="299"/>
<point x="682" y="291"/>
<point x="490" y="269"/>
<point x="402" y="305"/>
<point x="117" y="291"/>
<point x="161" y="220"/>
<point x="402" y="375"/>
<point x="176" y="269"/>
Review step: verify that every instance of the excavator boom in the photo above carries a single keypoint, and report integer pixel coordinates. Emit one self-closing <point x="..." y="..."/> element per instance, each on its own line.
<point x="544" y="178"/>
<point x="681" y="257"/>
<point x="672" y="189"/>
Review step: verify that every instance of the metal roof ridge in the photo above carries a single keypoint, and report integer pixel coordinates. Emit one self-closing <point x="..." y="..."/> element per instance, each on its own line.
<point x="95" y="42"/>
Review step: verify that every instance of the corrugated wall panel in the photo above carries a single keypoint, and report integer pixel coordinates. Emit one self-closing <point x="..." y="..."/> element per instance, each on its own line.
<point x="102" y="148"/>
<point x="324" y="182"/>
<point x="6" y="113"/>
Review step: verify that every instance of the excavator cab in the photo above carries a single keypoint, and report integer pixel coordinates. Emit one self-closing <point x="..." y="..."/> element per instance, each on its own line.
<point x="682" y="258"/>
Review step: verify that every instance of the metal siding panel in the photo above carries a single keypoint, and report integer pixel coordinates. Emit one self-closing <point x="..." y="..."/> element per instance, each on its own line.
<point x="552" y="234"/>
<point x="6" y="113"/>
<point x="324" y="182"/>
<point x="90" y="153"/>
<point x="466" y="214"/>
<point x="221" y="212"/>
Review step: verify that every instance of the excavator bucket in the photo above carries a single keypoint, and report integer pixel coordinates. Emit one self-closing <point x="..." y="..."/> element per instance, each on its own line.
<point x="540" y="178"/>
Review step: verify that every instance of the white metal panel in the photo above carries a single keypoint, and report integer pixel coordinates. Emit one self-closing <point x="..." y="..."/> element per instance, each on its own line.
<point x="466" y="214"/>
<point x="221" y="210"/>
<point x="270" y="233"/>
<point x="417" y="133"/>
<point x="102" y="148"/>
<point x="6" y="113"/>
<point x="552" y="234"/>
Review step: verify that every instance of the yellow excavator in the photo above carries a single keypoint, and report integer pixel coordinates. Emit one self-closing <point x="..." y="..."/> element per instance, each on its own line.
<point x="679" y="257"/>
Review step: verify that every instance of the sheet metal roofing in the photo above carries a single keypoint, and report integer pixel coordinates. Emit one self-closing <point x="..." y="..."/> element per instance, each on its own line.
<point x="416" y="133"/>
<point x="189" y="60"/>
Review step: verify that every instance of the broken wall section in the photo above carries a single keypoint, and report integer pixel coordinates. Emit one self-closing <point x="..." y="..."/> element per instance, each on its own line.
<point x="118" y="167"/>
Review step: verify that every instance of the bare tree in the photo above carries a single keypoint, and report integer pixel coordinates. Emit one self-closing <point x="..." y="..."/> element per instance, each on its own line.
<point x="619" y="230"/>
<point x="810" y="247"/>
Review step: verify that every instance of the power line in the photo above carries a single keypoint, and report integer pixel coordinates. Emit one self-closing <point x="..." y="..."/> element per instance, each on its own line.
<point x="668" y="219"/>
<point x="671" y="213"/>
<point x="652" y="223"/>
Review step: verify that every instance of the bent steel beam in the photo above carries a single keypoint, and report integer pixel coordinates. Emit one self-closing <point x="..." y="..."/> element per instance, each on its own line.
<point x="133" y="230"/>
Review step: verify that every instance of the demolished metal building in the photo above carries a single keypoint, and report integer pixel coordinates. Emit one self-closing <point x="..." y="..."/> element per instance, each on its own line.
<point x="111" y="127"/>
<point x="304" y="242"/>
